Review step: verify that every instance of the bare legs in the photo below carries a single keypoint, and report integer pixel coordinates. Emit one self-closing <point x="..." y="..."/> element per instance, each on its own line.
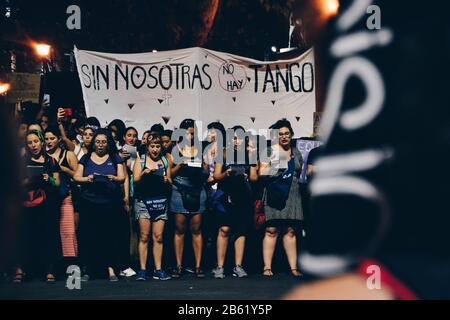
<point x="222" y="244"/>
<point x="157" y="236"/>
<point x="290" y="247"/>
<point x="197" y="239"/>
<point x="144" y="227"/>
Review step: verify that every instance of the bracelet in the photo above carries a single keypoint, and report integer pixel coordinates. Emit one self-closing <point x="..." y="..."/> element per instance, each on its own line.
<point x="52" y="181"/>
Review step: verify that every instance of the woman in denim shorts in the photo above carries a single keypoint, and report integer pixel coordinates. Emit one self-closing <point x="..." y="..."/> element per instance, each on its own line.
<point x="188" y="199"/>
<point x="151" y="174"/>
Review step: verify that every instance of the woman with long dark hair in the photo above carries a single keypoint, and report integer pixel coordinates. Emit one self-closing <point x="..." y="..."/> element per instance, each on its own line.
<point x="235" y="203"/>
<point x="101" y="173"/>
<point x="83" y="148"/>
<point x="117" y="128"/>
<point x="68" y="164"/>
<point x="39" y="237"/>
<point x="188" y="196"/>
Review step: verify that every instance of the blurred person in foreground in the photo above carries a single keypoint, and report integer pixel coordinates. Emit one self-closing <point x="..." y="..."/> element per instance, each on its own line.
<point x="379" y="216"/>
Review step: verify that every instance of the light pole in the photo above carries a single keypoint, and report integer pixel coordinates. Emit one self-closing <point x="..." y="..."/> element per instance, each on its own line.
<point x="43" y="51"/>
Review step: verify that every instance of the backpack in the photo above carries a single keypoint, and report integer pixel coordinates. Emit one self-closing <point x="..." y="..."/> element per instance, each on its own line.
<point x="156" y="205"/>
<point x="163" y="159"/>
<point x="135" y="191"/>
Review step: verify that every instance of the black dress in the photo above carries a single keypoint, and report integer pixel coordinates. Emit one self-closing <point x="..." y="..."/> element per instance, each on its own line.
<point x="40" y="241"/>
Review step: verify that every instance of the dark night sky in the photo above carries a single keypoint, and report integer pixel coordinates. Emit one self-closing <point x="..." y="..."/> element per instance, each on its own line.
<point x="244" y="27"/>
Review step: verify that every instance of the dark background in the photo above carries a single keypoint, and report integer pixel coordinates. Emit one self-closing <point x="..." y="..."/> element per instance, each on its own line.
<point x="244" y="27"/>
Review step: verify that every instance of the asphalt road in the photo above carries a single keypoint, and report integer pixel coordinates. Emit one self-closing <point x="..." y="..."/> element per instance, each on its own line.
<point x="255" y="287"/>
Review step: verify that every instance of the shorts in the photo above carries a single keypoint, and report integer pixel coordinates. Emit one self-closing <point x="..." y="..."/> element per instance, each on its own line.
<point x="238" y="218"/>
<point x="141" y="212"/>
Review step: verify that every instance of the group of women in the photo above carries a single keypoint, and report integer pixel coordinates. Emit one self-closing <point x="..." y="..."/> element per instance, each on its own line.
<point x="80" y="187"/>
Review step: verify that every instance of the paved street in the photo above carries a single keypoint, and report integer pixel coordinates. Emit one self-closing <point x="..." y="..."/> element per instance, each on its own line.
<point x="255" y="287"/>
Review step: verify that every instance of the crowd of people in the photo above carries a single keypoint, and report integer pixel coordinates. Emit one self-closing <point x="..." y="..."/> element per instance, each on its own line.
<point x="98" y="197"/>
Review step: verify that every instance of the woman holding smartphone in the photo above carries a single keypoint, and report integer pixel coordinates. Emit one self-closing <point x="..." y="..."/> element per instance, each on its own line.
<point x="100" y="172"/>
<point x="235" y="202"/>
<point x="68" y="165"/>
<point x="152" y="178"/>
<point x="40" y="244"/>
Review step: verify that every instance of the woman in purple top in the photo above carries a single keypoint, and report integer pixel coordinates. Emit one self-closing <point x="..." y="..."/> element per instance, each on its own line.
<point x="100" y="172"/>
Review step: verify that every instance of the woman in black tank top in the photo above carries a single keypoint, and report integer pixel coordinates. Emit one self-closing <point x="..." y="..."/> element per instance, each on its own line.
<point x="188" y="196"/>
<point x="68" y="163"/>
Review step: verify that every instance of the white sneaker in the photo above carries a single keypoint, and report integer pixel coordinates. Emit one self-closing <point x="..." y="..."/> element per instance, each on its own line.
<point x="128" y="273"/>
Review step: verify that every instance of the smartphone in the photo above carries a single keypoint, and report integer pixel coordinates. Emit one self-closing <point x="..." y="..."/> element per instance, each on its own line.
<point x="237" y="170"/>
<point x="68" y="112"/>
<point x="158" y="172"/>
<point x="194" y="164"/>
<point x="100" y="178"/>
<point x="35" y="171"/>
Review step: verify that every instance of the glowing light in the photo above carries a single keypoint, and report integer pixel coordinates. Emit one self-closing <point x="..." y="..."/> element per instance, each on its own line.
<point x="154" y="50"/>
<point x="274" y="49"/>
<point x="43" y="50"/>
<point x="330" y="8"/>
<point x="4" y="87"/>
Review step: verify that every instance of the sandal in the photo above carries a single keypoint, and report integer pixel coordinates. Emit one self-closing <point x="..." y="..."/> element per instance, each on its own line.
<point x="177" y="272"/>
<point x="296" y="273"/>
<point x="267" y="273"/>
<point x="50" y="278"/>
<point x="199" y="273"/>
<point x="18" y="278"/>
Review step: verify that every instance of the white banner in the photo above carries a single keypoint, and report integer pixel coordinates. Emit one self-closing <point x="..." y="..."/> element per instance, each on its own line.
<point x="167" y="87"/>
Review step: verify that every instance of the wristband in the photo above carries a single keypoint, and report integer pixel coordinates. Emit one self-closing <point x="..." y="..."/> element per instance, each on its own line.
<point x="52" y="181"/>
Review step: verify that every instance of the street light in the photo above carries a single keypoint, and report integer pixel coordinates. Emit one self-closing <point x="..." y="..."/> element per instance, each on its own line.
<point x="44" y="53"/>
<point x="4" y="87"/>
<point x="329" y="8"/>
<point x="42" y="50"/>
